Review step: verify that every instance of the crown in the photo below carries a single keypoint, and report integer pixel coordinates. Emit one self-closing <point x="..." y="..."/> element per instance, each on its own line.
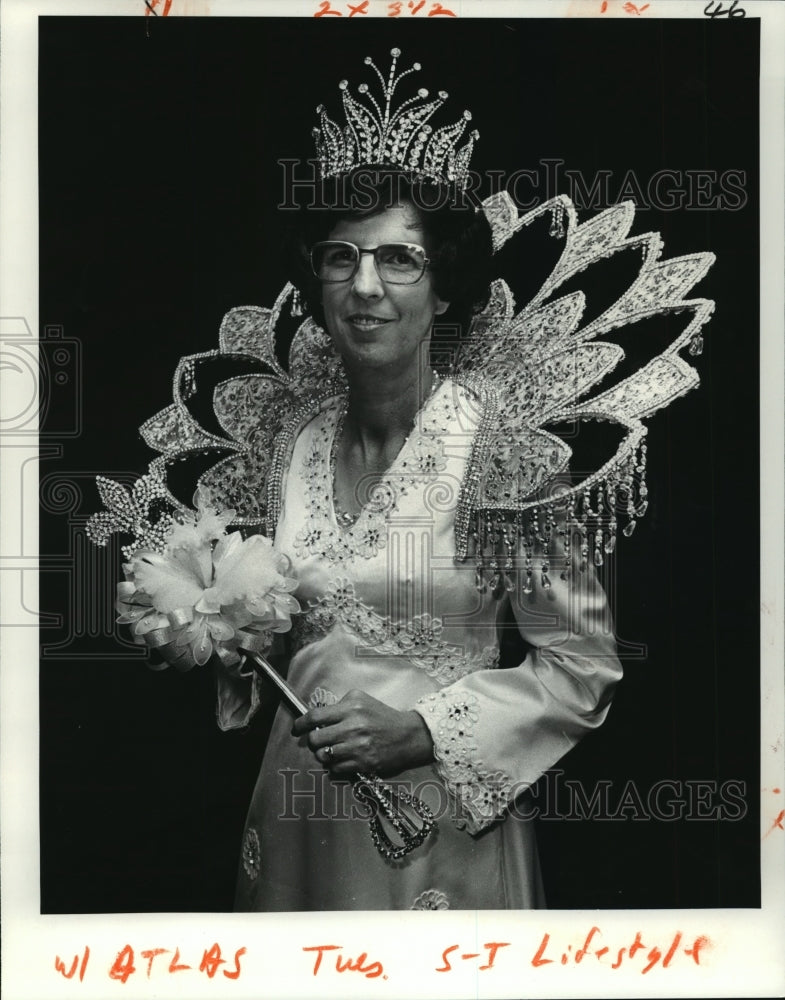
<point x="376" y="135"/>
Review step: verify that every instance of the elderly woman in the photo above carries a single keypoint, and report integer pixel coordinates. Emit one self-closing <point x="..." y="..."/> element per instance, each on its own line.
<point x="397" y="652"/>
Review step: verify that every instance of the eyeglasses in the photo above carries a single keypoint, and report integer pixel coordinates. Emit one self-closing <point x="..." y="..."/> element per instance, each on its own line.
<point x="396" y="263"/>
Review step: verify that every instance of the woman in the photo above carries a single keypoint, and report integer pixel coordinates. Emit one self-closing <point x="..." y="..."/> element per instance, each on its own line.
<point x="422" y="514"/>
<point x="397" y="650"/>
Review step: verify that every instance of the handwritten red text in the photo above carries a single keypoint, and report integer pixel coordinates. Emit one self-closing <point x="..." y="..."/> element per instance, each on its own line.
<point x="492" y="947"/>
<point x="69" y="973"/>
<point x="646" y="955"/>
<point x="371" y="970"/>
<point x="149" y="961"/>
<point x="150" y="7"/>
<point x="397" y="8"/>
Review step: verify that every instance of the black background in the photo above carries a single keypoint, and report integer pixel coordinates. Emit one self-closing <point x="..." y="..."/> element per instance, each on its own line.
<point x="158" y="192"/>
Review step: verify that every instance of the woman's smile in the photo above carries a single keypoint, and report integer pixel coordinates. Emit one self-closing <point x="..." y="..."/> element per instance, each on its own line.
<point x="367" y="321"/>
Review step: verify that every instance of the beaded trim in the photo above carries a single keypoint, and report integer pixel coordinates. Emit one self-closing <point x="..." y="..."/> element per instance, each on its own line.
<point x="418" y="640"/>
<point x="478" y="456"/>
<point x="530" y="368"/>
<point x="284" y="447"/>
<point x="321" y="698"/>
<point x="252" y="854"/>
<point x="419" y="462"/>
<point x="482" y="796"/>
<point x="130" y="511"/>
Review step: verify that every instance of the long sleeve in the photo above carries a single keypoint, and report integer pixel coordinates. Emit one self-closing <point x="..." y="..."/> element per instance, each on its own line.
<point x="239" y="692"/>
<point x="495" y="732"/>
<point x="237" y="698"/>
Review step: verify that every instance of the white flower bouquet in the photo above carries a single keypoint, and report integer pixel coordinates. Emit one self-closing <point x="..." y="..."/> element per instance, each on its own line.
<point x="209" y="592"/>
<point x="193" y="590"/>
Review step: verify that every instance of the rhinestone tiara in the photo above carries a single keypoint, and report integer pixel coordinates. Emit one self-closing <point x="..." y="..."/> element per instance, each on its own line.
<point x="377" y="135"/>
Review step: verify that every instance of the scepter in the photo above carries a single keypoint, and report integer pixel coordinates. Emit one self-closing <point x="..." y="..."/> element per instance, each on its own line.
<point x="399" y="822"/>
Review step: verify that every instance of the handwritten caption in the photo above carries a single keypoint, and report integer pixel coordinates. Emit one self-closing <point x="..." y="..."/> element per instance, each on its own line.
<point x="715" y="8"/>
<point x="398" y="8"/>
<point x="144" y="962"/>
<point x="150" y="8"/>
<point x="432" y="8"/>
<point x="637" y="955"/>
<point x="640" y="954"/>
<point x="628" y="8"/>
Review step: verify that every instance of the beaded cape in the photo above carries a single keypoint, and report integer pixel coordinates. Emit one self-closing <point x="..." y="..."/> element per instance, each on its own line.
<point x="530" y="368"/>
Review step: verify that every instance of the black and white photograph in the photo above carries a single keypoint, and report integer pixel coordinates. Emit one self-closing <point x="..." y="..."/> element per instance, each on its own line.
<point x="397" y="463"/>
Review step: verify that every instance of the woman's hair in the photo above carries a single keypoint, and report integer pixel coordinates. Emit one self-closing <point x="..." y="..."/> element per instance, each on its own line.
<point x="457" y="233"/>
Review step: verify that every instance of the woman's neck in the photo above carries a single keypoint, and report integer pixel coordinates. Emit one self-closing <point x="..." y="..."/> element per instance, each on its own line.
<point x="379" y="414"/>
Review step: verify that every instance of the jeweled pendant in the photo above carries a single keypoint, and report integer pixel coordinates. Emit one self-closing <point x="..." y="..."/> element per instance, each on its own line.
<point x="297" y="304"/>
<point x="696" y="345"/>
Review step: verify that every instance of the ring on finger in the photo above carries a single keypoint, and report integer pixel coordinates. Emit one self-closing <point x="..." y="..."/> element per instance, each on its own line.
<point x="328" y="753"/>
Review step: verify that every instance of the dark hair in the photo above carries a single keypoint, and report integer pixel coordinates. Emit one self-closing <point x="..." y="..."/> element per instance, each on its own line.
<point x="458" y="235"/>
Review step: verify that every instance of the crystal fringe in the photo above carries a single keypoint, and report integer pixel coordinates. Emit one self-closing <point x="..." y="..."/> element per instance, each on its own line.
<point x="526" y="370"/>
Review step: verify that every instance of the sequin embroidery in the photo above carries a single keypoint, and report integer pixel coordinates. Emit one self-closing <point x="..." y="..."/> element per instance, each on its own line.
<point x="419" y="462"/>
<point x="482" y="796"/>
<point x="419" y="640"/>
<point x="251" y="853"/>
<point x="431" y="899"/>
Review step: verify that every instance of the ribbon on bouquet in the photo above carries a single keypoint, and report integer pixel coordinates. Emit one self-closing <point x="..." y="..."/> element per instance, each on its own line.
<point x="399" y="822"/>
<point x="165" y="632"/>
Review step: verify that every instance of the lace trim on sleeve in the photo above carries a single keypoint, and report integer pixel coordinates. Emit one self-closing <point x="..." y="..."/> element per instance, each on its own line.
<point x="480" y="796"/>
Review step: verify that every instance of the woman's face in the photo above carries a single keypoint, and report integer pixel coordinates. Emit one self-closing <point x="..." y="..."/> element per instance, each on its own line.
<point x="373" y="324"/>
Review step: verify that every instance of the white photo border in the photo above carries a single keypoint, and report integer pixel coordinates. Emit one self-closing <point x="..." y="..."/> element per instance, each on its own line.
<point x="746" y="957"/>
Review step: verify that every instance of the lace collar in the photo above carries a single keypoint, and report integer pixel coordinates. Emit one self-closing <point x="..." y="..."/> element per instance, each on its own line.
<point x="419" y="462"/>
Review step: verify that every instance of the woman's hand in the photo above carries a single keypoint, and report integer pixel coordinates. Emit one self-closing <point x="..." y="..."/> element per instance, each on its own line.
<point x="366" y="735"/>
